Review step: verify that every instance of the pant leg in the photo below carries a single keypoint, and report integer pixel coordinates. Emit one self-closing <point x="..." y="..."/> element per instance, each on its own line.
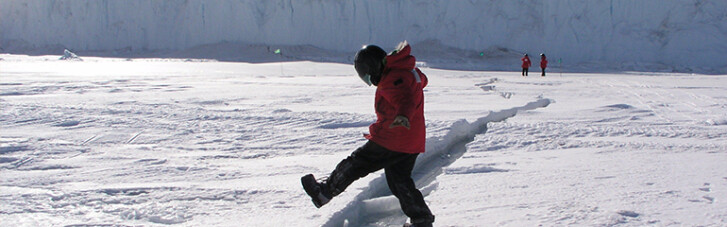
<point x="398" y="176"/>
<point x="366" y="159"/>
<point x="543" y="71"/>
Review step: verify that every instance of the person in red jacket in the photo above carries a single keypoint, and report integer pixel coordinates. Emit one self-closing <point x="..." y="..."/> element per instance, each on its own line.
<point x="543" y="63"/>
<point x="396" y="138"/>
<point x="526" y="64"/>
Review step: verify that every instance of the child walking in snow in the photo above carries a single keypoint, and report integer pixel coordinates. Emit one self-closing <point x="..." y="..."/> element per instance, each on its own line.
<point x="396" y="138"/>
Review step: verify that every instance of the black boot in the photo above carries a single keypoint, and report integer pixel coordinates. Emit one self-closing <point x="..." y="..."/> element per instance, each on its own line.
<point x="318" y="193"/>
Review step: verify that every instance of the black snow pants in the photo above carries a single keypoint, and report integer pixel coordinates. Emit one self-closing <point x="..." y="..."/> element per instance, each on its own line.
<point x="525" y="71"/>
<point x="398" y="166"/>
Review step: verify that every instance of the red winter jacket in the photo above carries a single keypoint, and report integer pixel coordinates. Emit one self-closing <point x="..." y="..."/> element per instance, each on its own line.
<point x="400" y="92"/>
<point x="526" y="62"/>
<point x="543" y="62"/>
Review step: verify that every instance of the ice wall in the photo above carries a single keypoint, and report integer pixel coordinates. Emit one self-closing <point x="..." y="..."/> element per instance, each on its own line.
<point x="673" y="32"/>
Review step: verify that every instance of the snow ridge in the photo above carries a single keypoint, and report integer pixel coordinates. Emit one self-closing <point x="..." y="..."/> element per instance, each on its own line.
<point x="375" y="205"/>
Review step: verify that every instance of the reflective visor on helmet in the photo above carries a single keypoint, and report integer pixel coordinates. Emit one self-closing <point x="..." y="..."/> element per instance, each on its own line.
<point x="363" y="73"/>
<point x="366" y="79"/>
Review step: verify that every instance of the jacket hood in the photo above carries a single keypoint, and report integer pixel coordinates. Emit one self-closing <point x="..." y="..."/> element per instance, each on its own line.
<point x="401" y="58"/>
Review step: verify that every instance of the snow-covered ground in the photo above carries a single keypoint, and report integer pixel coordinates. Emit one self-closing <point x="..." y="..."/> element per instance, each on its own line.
<point x="128" y="142"/>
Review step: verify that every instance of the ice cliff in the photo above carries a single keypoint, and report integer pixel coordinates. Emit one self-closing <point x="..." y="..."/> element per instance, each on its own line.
<point x="684" y="33"/>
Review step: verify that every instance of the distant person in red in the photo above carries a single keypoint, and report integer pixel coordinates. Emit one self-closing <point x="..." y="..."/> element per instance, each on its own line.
<point x="543" y="63"/>
<point x="526" y="64"/>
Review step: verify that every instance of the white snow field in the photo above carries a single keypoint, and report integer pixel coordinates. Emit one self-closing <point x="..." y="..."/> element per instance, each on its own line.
<point x="165" y="142"/>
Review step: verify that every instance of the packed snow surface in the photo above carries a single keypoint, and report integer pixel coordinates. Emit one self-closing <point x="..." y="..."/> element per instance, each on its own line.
<point x="160" y="142"/>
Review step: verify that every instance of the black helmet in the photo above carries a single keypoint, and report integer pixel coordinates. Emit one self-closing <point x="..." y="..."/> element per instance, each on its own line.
<point x="369" y="64"/>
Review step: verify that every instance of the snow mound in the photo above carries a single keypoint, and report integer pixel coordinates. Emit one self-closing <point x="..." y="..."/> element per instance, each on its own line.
<point x="68" y="55"/>
<point x="477" y="168"/>
<point x="715" y="122"/>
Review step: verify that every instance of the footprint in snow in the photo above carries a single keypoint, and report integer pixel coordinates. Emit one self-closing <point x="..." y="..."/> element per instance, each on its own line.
<point x="69" y="123"/>
<point x="628" y="213"/>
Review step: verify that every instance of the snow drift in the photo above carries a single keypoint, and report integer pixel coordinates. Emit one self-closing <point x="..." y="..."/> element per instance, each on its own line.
<point x="685" y="35"/>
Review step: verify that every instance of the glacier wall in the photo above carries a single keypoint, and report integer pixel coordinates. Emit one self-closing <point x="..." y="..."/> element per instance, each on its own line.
<point x="690" y="33"/>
